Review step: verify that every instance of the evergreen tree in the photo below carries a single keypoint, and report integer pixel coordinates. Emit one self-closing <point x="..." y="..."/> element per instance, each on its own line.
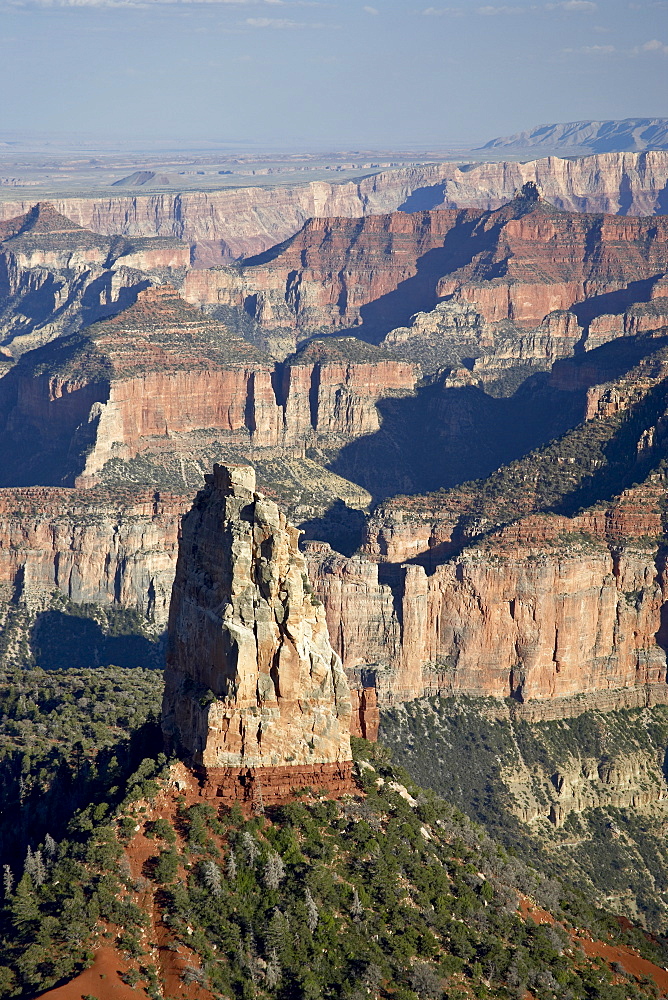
<point x="7" y="880"/>
<point x="231" y="868"/>
<point x="311" y="911"/>
<point x="211" y="877"/>
<point x="274" y="871"/>
<point x="250" y="847"/>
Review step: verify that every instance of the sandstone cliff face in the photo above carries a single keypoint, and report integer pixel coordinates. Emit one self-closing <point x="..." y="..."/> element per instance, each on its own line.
<point x="251" y="679"/>
<point x="546" y="609"/>
<point x="157" y="370"/>
<point x="544" y="261"/>
<point x="94" y="546"/>
<point x="242" y="221"/>
<point x="324" y="276"/>
<point x="523" y="285"/>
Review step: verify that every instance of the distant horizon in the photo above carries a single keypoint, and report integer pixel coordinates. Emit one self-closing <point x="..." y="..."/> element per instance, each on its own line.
<point x="19" y="142"/>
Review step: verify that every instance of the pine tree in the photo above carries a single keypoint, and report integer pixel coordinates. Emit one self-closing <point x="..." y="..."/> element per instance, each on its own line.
<point x="211" y="876"/>
<point x="250" y="847"/>
<point x="25" y="914"/>
<point x="274" y="871"/>
<point x="7" y="880"/>
<point x="231" y="868"/>
<point x="50" y="847"/>
<point x="273" y="971"/>
<point x="311" y="911"/>
<point x="38" y="868"/>
<point x="356" y="908"/>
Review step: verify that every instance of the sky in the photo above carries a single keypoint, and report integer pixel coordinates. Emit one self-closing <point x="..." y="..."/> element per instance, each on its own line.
<point x="335" y="74"/>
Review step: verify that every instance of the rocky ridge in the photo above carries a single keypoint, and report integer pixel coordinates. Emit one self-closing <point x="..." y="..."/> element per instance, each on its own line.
<point x="523" y="284"/>
<point x="424" y="606"/>
<point x="588" y="137"/>
<point x="240" y="222"/>
<point x="162" y="378"/>
<point x="113" y="395"/>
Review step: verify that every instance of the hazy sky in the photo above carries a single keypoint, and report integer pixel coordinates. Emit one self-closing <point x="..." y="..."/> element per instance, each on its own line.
<point x="340" y="74"/>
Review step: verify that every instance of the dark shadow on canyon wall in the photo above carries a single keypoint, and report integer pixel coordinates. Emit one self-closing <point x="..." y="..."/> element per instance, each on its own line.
<point x="61" y="641"/>
<point x="424" y="199"/>
<point x="418" y="293"/>
<point x="342" y="526"/>
<point x="442" y="437"/>
<point x="615" y="302"/>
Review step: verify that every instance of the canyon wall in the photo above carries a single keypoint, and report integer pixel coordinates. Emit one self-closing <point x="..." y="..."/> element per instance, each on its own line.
<point x="94" y="546"/>
<point x="323" y="276"/>
<point x="56" y="277"/>
<point x="546" y="609"/>
<point x="252" y="685"/>
<point x="150" y="378"/>
<point x="523" y="283"/>
<point x="545" y="261"/>
<point x="241" y="221"/>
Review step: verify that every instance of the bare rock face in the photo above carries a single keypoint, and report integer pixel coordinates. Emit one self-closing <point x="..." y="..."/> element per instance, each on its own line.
<point x="252" y="684"/>
<point x="108" y="547"/>
<point x="545" y="610"/>
<point x="57" y="277"/>
<point x="162" y="379"/>
<point x="237" y="222"/>
<point x="517" y="285"/>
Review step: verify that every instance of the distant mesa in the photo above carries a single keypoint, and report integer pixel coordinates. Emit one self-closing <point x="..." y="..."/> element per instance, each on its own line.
<point x="255" y="696"/>
<point x="632" y="135"/>
<point x="141" y="177"/>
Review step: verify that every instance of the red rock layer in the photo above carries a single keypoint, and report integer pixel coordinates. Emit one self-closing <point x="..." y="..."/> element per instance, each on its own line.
<point x="161" y="370"/>
<point x="521" y="263"/>
<point x="45" y="238"/>
<point x="324" y="275"/>
<point x="547" y="260"/>
<point x="257" y="787"/>
<point x="365" y="720"/>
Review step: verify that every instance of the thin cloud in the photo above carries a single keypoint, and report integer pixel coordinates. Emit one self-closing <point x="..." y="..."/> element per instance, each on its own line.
<point x="583" y="6"/>
<point x="591" y="50"/>
<point x="147" y="4"/>
<point x="489" y="10"/>
<point x="280" y="23"/>
<point x="273" y="22"/>
<point x="654" y="45"/>
<point x="371" y="10"/>
<point x="513" y="10"/>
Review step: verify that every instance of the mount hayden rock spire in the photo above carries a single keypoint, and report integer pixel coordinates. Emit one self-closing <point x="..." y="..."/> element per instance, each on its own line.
<point x="255" y="698"/>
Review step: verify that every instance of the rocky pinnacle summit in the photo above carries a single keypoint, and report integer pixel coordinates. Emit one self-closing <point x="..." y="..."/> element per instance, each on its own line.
<point x="254" y="691"/>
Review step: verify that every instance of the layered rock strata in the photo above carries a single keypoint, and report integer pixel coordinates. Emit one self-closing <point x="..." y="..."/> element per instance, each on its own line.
<point x="243" y="221"/>
<point x="56" y="277"/>
<point x="522" y="283"/>
<point x="93" y="546"/>
<point x="255" y="696"/>
<point x="544" y="610"/>
<point x="161" y="378"/>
